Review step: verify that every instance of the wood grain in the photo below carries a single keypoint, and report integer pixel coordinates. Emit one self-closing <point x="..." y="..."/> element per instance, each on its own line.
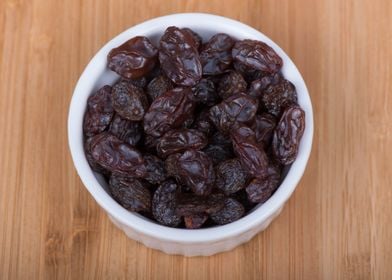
<point x="337" y="225"/>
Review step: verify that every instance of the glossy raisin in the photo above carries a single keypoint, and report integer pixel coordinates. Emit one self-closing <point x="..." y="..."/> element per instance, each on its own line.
<point x="230" y="84"/>
<point x="257" y="55"/>
<point x="216" y="56"/>
<point x="180" y="140"/>
<point x="235" y="110"/>
<point x="263" y="127"/>
<point x="204" y="92"/>
<point x="116" y="156"/>
<point x="260" y="190"/>
<point x="252" y="156"/>
<point x="133" y="59"/>
<point x="164" y="204"/>
<point x="230" y="176"/>
<point x="155" y="169"/>
<point x="168" y="111"/>
<point x="130" y="193"/>
<point x="193" y="169"/>
<point x="99" y="112"/>
<point x="128" y="131"/>
<point x="288" y="134"/>
<point x="196" y="37"/>
<point x="203" y="123"/>
<point x="179" y="57"/>
<point x="95" y="166"/>
<point x="232" y="211"/>
<point x="257" y="87"/>
<point x="129" y="101"/>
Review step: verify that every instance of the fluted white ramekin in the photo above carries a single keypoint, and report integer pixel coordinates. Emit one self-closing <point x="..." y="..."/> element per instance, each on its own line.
<point x="181" y="241"/>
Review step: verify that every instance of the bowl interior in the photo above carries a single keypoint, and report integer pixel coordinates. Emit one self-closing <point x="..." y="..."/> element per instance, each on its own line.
<point x="97" y="75"/>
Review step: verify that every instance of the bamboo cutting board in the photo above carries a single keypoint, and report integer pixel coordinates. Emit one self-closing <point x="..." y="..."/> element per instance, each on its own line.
<point x="338" y="223"/>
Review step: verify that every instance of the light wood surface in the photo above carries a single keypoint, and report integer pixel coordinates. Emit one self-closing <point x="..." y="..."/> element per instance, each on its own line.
<point x="338" y="223"/>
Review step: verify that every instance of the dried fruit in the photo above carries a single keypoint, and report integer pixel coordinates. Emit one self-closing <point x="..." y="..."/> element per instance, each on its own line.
<point x="168" y="111"/>
<point x="230" y="176"/>
<point x="164" y="204"/>
<point x="235" y="110"/>
<point x="216" y="56"/>
<point x="232" y="211"/>
<point x="263" y="127"/>
<point x="252" y="156"/>
<point x="158" y="86"/>
<point x="179" y="57"/>
<point x="130" y="193"/>
<point x="260" y="190"/>
<point x="175" y="141"/>
<point x="195" y="221"/>
<point x="129" y="101"/>
<point x="196" y="37"/>
<point x="288" y="134"/>
<point x="257" y="55"/>
<point x="99" y="112"/>
<point x="204" y="92"/>
<point x="190" y="204"/>
<point x="155" y="169"/>
<point x="231" y="83"/>
<point x="133" y="59"/>
<point x="127" y="131"/>
<point x="193" y="169"/>
<point x="278" y="96"/>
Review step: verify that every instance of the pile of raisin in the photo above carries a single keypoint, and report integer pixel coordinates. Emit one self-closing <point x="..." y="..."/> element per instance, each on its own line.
<point x="193" y="134"/>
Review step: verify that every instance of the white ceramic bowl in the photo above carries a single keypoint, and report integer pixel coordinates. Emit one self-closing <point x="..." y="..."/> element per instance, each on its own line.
<point x="170" y="240"/>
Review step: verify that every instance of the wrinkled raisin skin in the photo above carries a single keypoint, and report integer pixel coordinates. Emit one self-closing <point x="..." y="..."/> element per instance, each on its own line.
<point x="130" y="193"/>
<point x="232" y="211"/>
<point x="288" y="134"/>
<point x="133" y="59"/>
<point x="204" y="92"/>
<point x="252" y="156"/>
<point x="176" y="141"/>
<point x="195" y="221"/>
<point x="216" y="56"/>
<point x="235" y="110"/>
<point x="257" y="55"/>
<point x="168" y="111"/>
<point x="129" y="101"/>
<point x="260" y="190"/>
<point x="155" y="169"/>
<point x="128" y="131"/>
<point x="263" y="127"/>
<point x="193" y="169"/>
<point x="230" y="84"/>
<point x="191" y="204"/>
<point x="158" y="86"/>
<point x="99" y="112"/>
<point x="179" y="57"/>
<point x="277" y="96"/>
<point x="164" y="204"/>
<point x="230" y="176"/>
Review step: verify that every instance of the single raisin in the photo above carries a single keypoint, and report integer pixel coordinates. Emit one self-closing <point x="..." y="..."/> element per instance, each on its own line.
<point x="195" y="221"/>
<point x="230" y="176"/>
<point x="288" y="134"/>
<point x="164" y="204"/>
<point x="232" y="211"/>
<point x="158" y="86"/>
<point x="191" y="204"/>
<point x="133" y="59"/>
<point x="129" y="101"/>
<point x="204" y="92"/>
<point x="155" y="169"/>
<point x="263" y="127"/>
<point x="231" y="83"/>
<point x="128" y="131"/>
<point x="260" y="190"/>
<point x="196" y="37"/>
<point x="278" y="96"/>
<point x="99" y="112"/>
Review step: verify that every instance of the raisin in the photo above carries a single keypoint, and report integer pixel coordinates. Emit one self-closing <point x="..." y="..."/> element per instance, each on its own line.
<point x="155" y="169"/>
<point x="190" y="204"/>
<point x="288" y="134"/>
<point x="203" y="123"/>
<point x="278" y="96"/>
<point x="232" y="211"/>
<point x="175" y="141"/>
<point x="193" y="169"/>
<point x="129" y="101"/>
<point x="231" y="84"/>
<point x="216" y="56"/>
<point x="195" y="221"/>
<point x="230" y="176"/>
<point x="257" y="55"/>
<point x="128" y="131"/>
<point x="257" y="87"/>
<point x="204" y="92"/>
<point x="158" y="86"/>
<point x="164" y="204"/>
<point x="252" y="156"/>
<point x="179" y="57"/>
<point x="95" y="166"/>
<point x="263" y="127"/>
<point x="260" y="190"/>
<point x="130" y="193"/>
<point x="133" y="59"/>
<point x="168" y="111"/>
<point x="196" y="37"/>
<point x="99" y="112"/>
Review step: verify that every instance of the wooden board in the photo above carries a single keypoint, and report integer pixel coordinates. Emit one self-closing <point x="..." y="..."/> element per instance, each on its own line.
<point x="337" y="225"/>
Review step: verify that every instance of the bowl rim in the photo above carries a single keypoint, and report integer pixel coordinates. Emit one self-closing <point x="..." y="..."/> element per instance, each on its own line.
<point x="143" y="226"/>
